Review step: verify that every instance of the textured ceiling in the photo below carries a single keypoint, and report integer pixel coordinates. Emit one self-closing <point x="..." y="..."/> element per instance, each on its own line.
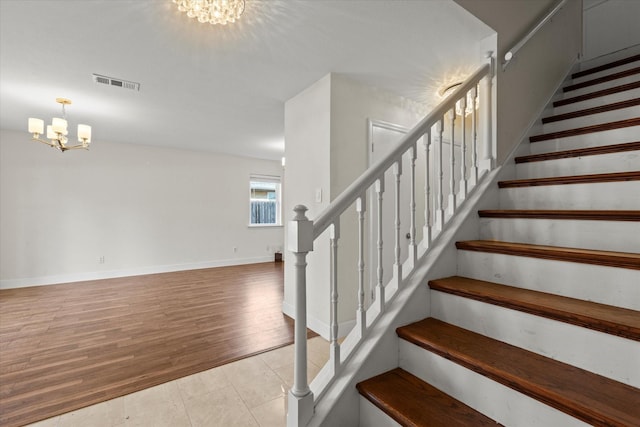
<point x="218" y="88"/>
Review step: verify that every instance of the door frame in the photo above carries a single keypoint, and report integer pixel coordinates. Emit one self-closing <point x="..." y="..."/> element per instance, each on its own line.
<point x="372" y="202"/>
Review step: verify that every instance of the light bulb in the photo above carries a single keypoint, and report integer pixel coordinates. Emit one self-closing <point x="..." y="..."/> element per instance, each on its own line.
<point x="36" y="126"/>
<point x="84" y="133"/>
<point x="59" y="125"/>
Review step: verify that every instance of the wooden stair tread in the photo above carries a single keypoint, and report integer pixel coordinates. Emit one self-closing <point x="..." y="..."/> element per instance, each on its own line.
<point x="590" y="215"/>
<point x="603" y="79"/>
<point x="579" y="152"/>
<point x="586" y="129"/>
<point x="594" y="110"/>
<point x="600" y="317"/>
<point x="608" y="66"/>
<point x="556" y="253"/>
<point x="592" y="398"/>
<point x="572" y="179"/>
<point x="597" y="94"/>
<point x="412" y="402"/>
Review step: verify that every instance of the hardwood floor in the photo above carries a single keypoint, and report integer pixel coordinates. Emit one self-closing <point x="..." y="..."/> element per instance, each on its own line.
<point x="63" y="347"/>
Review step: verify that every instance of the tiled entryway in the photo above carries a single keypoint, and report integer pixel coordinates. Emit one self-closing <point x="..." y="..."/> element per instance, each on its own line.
<point x="249" y="392"/>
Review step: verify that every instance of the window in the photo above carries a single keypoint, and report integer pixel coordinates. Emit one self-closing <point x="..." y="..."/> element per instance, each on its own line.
<point x="264" y="200"/>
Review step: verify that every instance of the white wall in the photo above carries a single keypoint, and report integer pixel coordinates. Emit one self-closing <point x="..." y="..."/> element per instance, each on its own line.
<point x="143" y="209"/>
<point x="307" y="132"/>
<point x="610" y="25"/>
<point x="524" y="88"/>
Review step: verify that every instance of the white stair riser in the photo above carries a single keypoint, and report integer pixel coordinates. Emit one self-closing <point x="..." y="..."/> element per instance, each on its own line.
<point x="594" y="139"/>
<point x="627" y="161"/>
<point x="604" y="354"/>
<point x="371" y="415"/>
<point x="601" y="86"/>
<point x="596" y="102"/>
<point x="609" y="58"/>
<point x="489" y="397"/>
<point x="621" y="236"/>
<point x="597" y="283"/>
<point x="604" y="73"/>
<point x="606" y="195"/>
<point x="592" y="119"/>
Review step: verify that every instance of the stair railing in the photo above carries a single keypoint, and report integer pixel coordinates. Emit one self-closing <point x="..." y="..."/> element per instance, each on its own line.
<point x="511" y="53"/>
<point x="439" y="208"/>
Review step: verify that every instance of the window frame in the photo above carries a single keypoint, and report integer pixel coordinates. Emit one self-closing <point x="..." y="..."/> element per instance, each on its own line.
<point x="273" y="179"/>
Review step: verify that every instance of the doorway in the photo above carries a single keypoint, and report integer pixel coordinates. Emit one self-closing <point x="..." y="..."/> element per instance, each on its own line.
<point x="383" y="137"/>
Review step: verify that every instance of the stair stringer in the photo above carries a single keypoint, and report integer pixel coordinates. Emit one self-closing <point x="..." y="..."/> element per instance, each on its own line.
<point x="379" y="349"/>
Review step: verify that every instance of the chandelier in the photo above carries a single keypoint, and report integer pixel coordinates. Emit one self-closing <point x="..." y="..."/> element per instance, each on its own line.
<point x="445" y="92"/>
<point x="57" y="131"/>
<point x="212" y="11"/>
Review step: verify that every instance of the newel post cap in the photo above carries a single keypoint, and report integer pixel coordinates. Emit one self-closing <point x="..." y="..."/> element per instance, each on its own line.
<point x="300" y="236"/>
<point x="300" y="210"/>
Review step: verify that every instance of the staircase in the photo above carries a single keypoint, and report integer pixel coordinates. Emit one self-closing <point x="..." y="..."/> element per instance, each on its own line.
<point x="541" y="325"/>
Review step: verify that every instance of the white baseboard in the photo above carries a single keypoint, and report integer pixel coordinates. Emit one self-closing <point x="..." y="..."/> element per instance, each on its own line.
<point x="97" y="275"/>
<point x="318" y="326"/>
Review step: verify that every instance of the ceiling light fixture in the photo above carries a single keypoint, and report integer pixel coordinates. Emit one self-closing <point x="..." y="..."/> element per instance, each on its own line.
<point x="212" y="11"/>
<point x="57" y="131"/>
<point x="448" y="90"/>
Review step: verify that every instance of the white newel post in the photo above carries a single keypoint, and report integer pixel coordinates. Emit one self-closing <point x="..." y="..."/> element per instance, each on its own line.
<point x="300" y="403"/>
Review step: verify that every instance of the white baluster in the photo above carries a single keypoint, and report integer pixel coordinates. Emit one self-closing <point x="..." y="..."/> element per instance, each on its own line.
<point x="452" y="166"/>
<point x="361" y="318"/>
<point x="334" y="354"/>
<point x="380" y="287"/>
<point x="397" y="263"/>
<point x="474" y="136"/>
<point x="440" y="190"/>
<point x="486" y="162"/>
<point x="427" y="192"/>
<point x="463" y="146"/>
<point x="413" y="248"/>
<point x="300" y="242"/>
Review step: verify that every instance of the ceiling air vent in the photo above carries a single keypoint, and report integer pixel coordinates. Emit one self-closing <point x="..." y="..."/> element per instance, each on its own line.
<point x="112" y="81"/>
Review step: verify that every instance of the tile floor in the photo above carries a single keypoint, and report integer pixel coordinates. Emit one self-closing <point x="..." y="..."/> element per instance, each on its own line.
<point x="249" y="392"/>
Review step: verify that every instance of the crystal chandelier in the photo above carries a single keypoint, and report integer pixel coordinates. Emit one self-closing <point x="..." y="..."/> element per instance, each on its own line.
<point x="445" y="92"/>
<point x="212" y="11"/>
<point x="57" y="131"/>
